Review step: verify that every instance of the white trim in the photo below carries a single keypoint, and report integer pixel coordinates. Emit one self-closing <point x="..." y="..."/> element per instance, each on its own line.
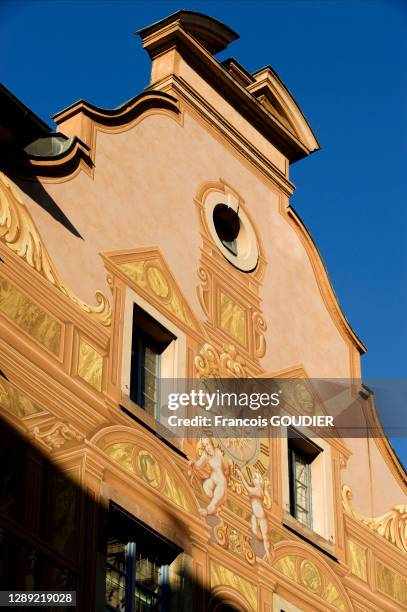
<point x="174" y="355"/>
<point x="248" y="251"/>
<point x="322" y="506"/>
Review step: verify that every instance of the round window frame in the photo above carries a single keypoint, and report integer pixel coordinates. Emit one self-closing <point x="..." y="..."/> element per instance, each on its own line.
<point x="247" y="240"/>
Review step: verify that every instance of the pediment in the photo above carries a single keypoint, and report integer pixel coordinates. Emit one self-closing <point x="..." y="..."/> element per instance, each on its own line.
<point x="275" y="97"/>
<point x="147" y="272"/>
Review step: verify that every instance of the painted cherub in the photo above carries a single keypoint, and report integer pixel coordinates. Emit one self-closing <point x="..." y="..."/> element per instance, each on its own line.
<point x="213" y="469"/>
<point x="257" y="494"/>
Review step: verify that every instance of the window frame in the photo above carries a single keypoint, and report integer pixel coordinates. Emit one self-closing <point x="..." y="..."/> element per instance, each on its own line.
<point x="293" y="454"/>
<point x="173" y="367"/>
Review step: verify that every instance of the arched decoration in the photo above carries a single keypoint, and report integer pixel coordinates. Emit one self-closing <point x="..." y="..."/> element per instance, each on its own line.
<point x="18" y="233"/>
<point x="229" y="587"/>
<point x="147" y="460"/>
<point x="306" y="570"/>
<point x="226" y="599"/>
<point x="229" y="278"/>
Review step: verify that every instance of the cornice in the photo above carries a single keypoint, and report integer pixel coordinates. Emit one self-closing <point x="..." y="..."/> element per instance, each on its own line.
<point x="268" y="83"/>
<point x="123" y="114"/>
<point x="211" y="33"/>
<point x="191" y="99"/>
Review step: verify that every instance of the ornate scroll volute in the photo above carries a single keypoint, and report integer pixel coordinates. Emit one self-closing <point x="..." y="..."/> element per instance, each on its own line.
<point x="226" y="363"/>
<point x="392" y="526"/>
<point x="259" y="329"/>
<point x="204" y="290"/>
<point x="229" y="291"/>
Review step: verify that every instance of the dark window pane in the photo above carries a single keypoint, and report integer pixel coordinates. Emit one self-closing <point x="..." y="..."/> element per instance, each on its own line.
<point x="141" y="565"/>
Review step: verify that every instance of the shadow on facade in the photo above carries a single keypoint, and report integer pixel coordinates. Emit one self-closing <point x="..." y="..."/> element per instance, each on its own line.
<point x="34" y="189"/>
<point x="54" y="536"/>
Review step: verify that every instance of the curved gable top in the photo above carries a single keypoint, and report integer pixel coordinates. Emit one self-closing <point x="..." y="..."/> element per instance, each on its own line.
<point x="274" y="95"/>
<point x="212" y="34"/>
<point x="77" y="125"/>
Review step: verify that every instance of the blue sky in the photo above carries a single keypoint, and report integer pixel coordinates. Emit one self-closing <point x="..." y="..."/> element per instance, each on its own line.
<point x="344" y="63"/>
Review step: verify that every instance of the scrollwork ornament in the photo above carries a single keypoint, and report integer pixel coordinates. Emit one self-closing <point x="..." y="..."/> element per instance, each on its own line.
<point x="220" y="532"/>
<point x="57" y="435"/>
<point x="227" y="363"/>
<point x="204" y="290"/>
<point x="231" y="362"/>
<point x="259" y="327"/>
<point x="19" y="234"/>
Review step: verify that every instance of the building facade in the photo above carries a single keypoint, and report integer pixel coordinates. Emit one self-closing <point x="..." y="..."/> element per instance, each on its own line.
<point x="157" y="241"/>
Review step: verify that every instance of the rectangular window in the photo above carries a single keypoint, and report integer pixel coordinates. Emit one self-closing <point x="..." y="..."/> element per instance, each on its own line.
<point x="150" y="341"/>
<point x="141" y="567"/>
<point x="301" y="454"/>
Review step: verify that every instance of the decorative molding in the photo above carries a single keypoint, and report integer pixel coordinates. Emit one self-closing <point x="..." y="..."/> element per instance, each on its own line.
<point x="392" y="526"/>
<point x="343" y="461"/>
<point x="228" y="295"/>
<point x="57" y="435"/>
<point x="146" y="270"/>
<point x="19" y="234"/>
<point x="204" y="289"/>
<point x="259" y="329"/>
<point x="150" y="276"/>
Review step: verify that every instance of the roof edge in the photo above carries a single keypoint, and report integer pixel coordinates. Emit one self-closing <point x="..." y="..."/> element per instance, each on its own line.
<point x="212" y="34"/>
